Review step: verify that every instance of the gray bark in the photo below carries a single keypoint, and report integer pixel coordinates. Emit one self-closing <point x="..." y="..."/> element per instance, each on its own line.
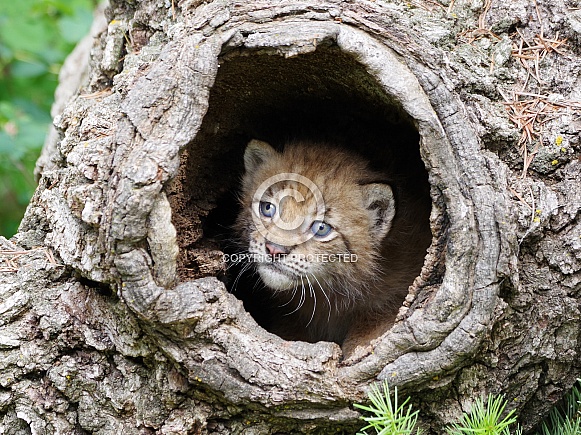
<point x="113" y="319"/>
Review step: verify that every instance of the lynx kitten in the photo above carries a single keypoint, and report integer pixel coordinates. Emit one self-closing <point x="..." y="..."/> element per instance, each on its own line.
<point x="314" y="220"/>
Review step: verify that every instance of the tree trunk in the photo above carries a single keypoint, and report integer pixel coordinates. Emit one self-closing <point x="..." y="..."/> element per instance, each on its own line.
<point x="114" y="312"/>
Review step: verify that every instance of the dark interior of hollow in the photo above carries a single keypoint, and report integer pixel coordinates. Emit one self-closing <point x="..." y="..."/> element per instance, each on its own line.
<point x="321" y="96"/>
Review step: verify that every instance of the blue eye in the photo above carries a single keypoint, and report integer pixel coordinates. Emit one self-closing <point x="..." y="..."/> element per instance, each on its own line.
<point x="267" y="209"/>
<point x="320" y="228"/>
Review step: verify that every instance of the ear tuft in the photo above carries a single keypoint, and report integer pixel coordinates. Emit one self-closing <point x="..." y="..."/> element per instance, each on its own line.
<point x="380" y="205"/>
<point x="256" y="153"/>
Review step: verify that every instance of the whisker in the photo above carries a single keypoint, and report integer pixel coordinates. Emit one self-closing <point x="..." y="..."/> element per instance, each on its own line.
<point x="234" y="263"/>
<point x="326" y="297"/>
<point x="312" y="292"/>
<point x="302" y="299"/>
<point x="291" y="298"/>
<point x="242" y="271"/>
<point x="258" y="284"/>
<point x="331" y="289"/>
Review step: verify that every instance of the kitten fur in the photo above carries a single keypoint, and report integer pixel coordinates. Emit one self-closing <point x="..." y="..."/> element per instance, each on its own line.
<point x="313" y="300"/>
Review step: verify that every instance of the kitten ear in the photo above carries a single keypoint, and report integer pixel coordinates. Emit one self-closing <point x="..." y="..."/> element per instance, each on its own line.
<point x="256" y="153"/>
<point x="380" y="205"/>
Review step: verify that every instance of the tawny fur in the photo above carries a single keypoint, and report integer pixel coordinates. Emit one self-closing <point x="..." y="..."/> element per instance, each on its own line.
<point x="323" y="300"/>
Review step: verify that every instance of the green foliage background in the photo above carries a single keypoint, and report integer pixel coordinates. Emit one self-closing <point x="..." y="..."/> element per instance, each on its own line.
<point x="35" y="38"/>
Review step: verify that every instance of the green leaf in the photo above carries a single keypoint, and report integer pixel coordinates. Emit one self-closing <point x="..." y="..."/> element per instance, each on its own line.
<point x="389" y="417"/>
<point x="25" y="34"/>
<point x="485" y="419"/>
<point x="24" y="69"/>
<point x="566" y="420"/>
<point x="7" y="146"/>
<point x="73" y="28"/>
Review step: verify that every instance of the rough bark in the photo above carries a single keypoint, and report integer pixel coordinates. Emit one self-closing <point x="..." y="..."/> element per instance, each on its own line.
<point x="113" y="317"/>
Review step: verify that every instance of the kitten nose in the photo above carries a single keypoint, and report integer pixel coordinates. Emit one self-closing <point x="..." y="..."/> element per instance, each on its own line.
<point x="275" y="249"/>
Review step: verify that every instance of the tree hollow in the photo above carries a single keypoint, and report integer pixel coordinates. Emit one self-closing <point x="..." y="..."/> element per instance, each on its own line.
<point x="330" y="82"/>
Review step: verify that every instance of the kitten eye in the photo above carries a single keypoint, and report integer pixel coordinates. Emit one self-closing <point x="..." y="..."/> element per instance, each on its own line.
<point x="321" y="229"/>
<point x="267" y="209"/>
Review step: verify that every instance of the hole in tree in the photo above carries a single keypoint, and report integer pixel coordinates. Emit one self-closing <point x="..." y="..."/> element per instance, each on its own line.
<point x="321" y="97"/>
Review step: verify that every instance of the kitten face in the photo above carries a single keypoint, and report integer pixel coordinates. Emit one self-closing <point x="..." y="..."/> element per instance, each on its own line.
<point x="313" y="217"/>
<point x="293" y="235"/>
